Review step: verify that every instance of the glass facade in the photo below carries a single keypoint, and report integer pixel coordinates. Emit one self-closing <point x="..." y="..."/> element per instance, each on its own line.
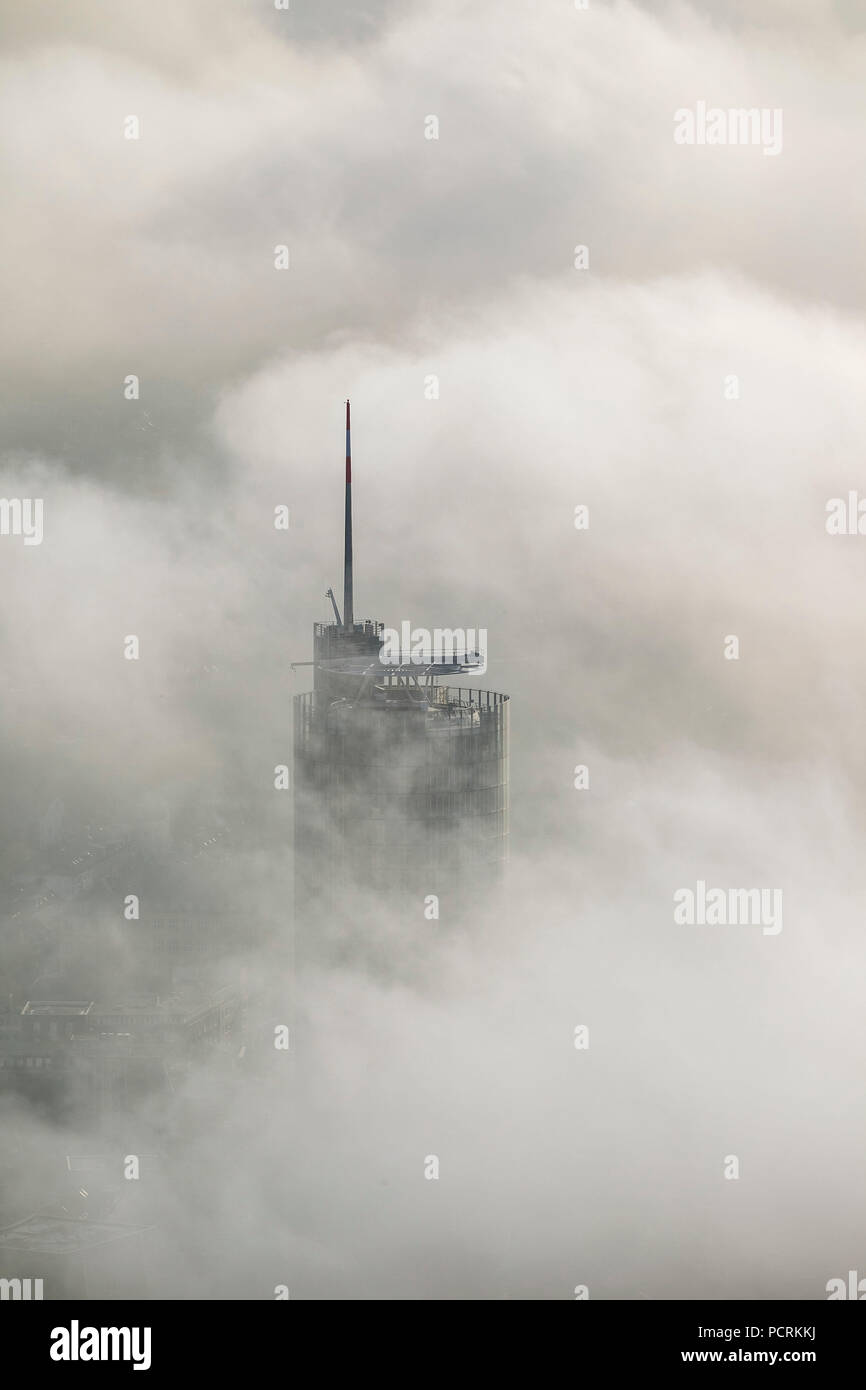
<point x="398" y="796"/>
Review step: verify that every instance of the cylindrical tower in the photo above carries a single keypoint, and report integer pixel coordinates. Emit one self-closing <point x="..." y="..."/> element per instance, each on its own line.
<point x="400" y="783"/>
<point x="401" y="795"/>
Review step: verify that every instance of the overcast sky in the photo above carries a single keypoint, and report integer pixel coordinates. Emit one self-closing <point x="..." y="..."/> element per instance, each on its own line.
<point x="608" y="386"/>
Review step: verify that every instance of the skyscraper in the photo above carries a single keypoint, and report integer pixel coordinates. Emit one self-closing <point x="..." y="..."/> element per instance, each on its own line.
<point x="400" y="782"/>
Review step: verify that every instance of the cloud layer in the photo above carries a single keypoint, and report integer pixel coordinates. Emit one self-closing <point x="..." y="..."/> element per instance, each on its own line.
<point x="609" y="387"/>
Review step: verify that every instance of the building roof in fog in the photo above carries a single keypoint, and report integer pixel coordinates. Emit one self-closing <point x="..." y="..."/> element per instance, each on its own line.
<point x="61" y="1235"/>
<point x="51" y="1008"/>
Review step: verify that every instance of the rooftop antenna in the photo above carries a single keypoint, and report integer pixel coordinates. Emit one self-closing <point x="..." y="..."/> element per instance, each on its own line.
<point x="348" y="607"/>
<point x="330" y="595"/>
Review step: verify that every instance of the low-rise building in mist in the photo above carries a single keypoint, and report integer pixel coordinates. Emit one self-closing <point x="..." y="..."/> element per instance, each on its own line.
<point x="77" y="1056"/>
<point x="47" y="1256"/>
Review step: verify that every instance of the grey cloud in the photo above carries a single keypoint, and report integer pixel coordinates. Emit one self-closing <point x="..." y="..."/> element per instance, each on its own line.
<point x="557" y="387"/>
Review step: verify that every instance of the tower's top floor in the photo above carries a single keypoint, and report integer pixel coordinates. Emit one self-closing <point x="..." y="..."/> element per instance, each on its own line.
<point x="353" y="661"/>
<point x="331" y="641"/>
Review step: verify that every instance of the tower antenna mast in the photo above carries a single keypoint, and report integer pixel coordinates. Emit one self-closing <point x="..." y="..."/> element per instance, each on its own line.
<point x="348" y="607"/>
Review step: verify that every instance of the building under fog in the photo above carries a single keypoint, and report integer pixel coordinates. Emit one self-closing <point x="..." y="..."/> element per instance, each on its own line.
<point x="54" y="1257"/>
<point x="88" y="1059"/>
<point x="400" y="777"/>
